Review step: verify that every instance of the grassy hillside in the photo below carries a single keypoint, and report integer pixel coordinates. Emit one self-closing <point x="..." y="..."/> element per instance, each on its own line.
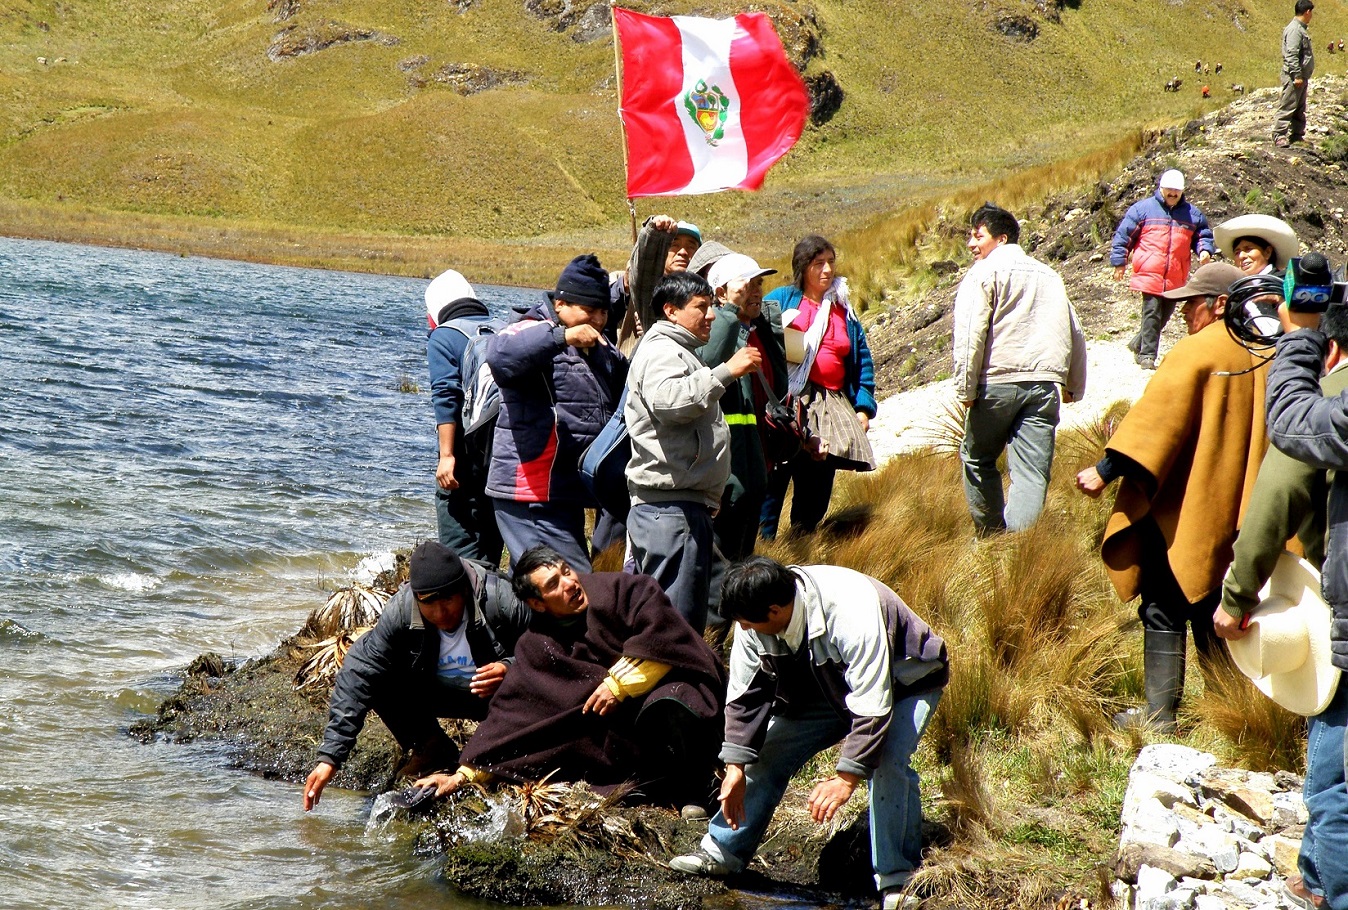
<point x="138" y="122"/>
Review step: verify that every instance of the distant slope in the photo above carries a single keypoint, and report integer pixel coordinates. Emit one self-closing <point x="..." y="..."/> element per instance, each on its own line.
<point x="348" y="116"/>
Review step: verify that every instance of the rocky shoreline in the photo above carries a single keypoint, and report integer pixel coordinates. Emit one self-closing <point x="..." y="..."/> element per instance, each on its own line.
<point x="611" y="856"/>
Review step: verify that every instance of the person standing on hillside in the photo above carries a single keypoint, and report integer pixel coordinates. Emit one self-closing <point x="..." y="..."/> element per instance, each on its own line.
<point x="1158" y="235"/>
<point x="1017" y="341"/>
<point x="1298" y="65"/>
<point x="1186" y="454"/>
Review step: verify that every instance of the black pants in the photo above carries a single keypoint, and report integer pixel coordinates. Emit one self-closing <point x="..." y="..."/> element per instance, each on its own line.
<point x="809" y="501"/>
<point x="1164" y="606"/>
<point x="411" y="709"/>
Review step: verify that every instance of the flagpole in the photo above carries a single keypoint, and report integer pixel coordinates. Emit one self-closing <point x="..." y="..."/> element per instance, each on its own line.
<point x="622" y="127"/>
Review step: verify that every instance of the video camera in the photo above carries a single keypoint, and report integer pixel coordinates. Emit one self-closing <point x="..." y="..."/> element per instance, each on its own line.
<point x="1309" y="286"/>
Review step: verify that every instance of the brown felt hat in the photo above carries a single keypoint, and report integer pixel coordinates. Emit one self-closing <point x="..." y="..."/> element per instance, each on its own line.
<point x="1211" y="280"/>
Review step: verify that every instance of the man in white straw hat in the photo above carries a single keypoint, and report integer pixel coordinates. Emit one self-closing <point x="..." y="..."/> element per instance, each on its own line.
<point x="1158" y="235"/>
<point x="1307" y="425"/>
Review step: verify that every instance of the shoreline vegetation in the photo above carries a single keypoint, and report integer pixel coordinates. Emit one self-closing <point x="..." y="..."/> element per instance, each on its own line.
<point x="888" y="260"/>
<point x="1023" y="771"/>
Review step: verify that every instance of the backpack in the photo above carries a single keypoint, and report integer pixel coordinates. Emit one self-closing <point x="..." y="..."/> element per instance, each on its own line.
<point x="603" y="464"/>
<point x="481" y="394"/>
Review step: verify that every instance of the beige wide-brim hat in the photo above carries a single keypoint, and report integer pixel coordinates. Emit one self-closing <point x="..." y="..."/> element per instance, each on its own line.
<point x="1287" y="650"/>
<point x="1267" y="228"/>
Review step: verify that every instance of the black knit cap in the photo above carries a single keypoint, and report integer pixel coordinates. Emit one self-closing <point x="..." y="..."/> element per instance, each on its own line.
<point x="583" y="282"/>
<point x="435" y="568"/>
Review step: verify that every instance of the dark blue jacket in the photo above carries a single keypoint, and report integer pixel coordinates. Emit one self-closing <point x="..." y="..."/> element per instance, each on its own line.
<point x="860" y="385"/>
<point x="554" y="401"/>
<point x="1313" y="429"/>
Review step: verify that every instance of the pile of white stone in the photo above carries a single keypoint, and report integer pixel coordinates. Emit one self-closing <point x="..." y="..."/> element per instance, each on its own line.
<point x="1199" y="837"/>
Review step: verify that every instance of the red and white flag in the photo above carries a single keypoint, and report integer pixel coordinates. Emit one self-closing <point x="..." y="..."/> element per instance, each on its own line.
<point x="708" y="104"/>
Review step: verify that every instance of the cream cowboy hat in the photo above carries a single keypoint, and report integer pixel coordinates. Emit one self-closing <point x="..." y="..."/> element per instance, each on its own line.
<point x="1287" y="650"/>
<point x="1271" y="230"/>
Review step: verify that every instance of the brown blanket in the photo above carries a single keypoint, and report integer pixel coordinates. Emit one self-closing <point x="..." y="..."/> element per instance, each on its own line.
<point x="535" y="725"/>
<point x="1201" y="436"/>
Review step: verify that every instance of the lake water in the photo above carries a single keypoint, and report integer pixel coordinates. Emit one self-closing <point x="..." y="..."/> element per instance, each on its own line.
<point x="191" y="453"/>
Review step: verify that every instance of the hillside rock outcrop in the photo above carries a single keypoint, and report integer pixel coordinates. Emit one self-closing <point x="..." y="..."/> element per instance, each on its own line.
<point x="1232" y="168"/>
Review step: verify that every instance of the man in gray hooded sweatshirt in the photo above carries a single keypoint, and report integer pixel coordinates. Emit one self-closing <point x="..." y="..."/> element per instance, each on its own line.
<point x="680" y="443"/>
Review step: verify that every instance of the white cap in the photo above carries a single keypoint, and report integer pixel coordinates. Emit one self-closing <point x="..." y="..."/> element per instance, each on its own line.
<point x="1172" y="180"/>
<point x="445" y="289"/>
<point x="735" y="267"/>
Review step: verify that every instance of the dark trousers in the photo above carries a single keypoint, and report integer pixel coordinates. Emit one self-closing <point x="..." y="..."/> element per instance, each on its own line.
<point x="1290" y="122"/>
<point x="809" y="502"/>
<point x="1164" y="607"/>
<point x="1156" y="312"/>
<point x="411" y="708"/>
<point x="466" y="522"/>
<point x="673" y="543"/>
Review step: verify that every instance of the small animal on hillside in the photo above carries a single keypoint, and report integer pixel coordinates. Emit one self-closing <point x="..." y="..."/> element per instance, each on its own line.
<point x="1174" y="84"/>
<point x="1207" y="92"/>
<point x="1238" y="88"/>
<point x="1218" y="70"/>
<point x="1198" y="66"/>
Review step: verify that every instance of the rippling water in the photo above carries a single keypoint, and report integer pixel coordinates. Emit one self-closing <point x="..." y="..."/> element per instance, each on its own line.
<point x="191" y="451"/>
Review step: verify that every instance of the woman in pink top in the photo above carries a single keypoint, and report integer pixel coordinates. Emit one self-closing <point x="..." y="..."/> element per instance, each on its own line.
<point x="835" y="382"/>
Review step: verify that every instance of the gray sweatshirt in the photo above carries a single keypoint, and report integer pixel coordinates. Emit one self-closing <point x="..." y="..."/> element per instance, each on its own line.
<point x="680" y="441"/>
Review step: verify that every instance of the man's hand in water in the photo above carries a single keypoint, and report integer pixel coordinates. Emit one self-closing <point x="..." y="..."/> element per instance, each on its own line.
<point x="317" y="780"/>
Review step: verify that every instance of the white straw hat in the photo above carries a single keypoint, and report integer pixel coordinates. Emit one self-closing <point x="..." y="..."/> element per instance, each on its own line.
<point x="1287" y="650"/>
<point x="1271" y="230"/>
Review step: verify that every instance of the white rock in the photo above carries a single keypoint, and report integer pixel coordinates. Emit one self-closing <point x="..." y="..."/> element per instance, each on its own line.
<point x="1152" y="883"/>
<point x="1211" y="841"/>
<point x="1152" y="824"/>
<point x="1252" y="865"/>
<point x="1209" y="902"/>
<point x="1173" y="761"/>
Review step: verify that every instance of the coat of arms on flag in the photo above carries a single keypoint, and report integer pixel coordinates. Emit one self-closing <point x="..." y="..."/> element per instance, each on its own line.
<point x="707" y="104"/>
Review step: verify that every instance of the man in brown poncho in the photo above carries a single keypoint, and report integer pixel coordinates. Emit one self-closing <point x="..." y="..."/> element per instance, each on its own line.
<point x="610" y="685"/>
<point x="1187" y="455"/>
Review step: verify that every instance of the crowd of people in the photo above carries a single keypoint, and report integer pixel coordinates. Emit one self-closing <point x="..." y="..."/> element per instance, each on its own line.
<point x="608" y="677"/>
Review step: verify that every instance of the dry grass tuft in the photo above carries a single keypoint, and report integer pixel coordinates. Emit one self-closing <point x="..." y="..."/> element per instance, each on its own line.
<point x="1258" y="734"/>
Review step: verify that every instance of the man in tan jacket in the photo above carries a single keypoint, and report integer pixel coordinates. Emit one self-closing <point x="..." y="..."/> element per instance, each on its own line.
<point x="1019" y="351"/>
<point x="1187" y="455"/>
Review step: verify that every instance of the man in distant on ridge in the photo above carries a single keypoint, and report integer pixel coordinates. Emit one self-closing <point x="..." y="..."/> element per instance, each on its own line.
<point x="1017" y="341"/>
<point x="1158" y="235"/>
<point x="1298" y="65"/>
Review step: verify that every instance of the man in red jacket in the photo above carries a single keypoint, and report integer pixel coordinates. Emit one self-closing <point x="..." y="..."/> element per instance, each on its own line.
<point x="1158" y="235"/>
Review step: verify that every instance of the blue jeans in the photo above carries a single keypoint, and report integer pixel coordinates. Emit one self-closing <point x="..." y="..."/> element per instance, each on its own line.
<point x="673" y="543"/>
<point x="895" y="797"/>
<point x="1326" y="837"/>
<point x="1021" y="418"/>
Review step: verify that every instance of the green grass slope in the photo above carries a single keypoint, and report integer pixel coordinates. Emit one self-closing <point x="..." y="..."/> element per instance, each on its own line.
<point x="187" y="109"/>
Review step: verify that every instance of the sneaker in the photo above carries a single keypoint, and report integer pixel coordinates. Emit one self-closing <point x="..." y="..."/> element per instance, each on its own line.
<point x="899" y="899"/>
<point x="1281" y="142"/>
<point x="699" y="863"/>
<point x="1147" y="363"/>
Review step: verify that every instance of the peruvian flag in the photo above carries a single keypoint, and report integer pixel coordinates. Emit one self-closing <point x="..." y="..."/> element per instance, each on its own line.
<point x="708" y="104"/>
